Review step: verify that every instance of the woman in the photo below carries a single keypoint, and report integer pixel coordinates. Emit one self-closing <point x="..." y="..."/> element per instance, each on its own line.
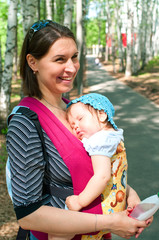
<point x="48" y="66"/>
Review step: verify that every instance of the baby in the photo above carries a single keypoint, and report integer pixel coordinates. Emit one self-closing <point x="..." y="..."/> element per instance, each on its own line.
<point x="91" y="119"/>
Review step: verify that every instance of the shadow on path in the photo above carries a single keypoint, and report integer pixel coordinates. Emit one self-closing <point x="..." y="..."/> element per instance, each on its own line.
<point x="140" y="120"/>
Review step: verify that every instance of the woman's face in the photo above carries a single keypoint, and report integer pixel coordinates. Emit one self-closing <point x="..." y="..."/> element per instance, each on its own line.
<point x="56" y="71"/>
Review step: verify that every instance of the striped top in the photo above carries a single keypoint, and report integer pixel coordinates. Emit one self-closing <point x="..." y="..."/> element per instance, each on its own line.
<point x="28" y="167"/>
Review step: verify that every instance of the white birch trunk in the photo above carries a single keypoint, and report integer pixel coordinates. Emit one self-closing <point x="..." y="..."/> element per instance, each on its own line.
<point x="137" y="42"/>
<point x="5" y="92"/>
<point x="107" y="31"/>
<point x="132" y="41"/>
<point x="155" y="37"/>
<point x="154" y="30"/>
<point x="68" y="8"/>
<point x="68" y="13"/>
<point x="151" y="8"/>
<point x="49" y="9"/>
<point x="0" y="65"/>
<point x="144" y="33"/>
<point x="79" y="36"/>
<point x="128" y="71"/>
<point x="118" y="14"/>
<point x="29" y="10"/>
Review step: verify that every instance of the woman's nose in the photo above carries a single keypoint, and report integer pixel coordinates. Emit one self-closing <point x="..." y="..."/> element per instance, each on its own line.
<point x="70" y="67"/>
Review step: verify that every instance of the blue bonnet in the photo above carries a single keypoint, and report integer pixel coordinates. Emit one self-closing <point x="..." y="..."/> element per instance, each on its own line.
<point x="97" y="101"/>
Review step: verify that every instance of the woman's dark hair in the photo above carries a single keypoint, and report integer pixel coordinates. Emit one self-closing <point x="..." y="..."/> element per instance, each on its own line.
<point x="37" y="43"/>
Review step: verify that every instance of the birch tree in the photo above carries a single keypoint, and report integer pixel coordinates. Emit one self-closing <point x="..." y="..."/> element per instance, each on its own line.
<point x="155" y="37"/>
<point x="107" y="31"/>
<point x="128" y="71"/>
<point x="0" y="65"/>
<point x="29" y="9"/>
<point x="38" y="12"/>
<point x="8" y="65"/>
<point x="137" y="40"/>
<point x="150" y="32"/>
<point x="49" y="9"/>
<point x="118" y="14"/>
<point x="79" y="36"/>
<point x="68" y="9"/>
<point x="68" y="13"/>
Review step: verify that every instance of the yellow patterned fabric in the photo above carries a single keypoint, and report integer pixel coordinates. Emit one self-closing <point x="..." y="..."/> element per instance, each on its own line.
<point x="114" y="195"/>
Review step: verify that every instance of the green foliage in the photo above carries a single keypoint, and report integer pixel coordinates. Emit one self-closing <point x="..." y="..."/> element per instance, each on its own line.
<point x="3" y="26"/>
<point x="59" y="15"/>
<point x="3" y="156"/>
<point x="95" y="32"/>
<point x="3" y="150"/>
<point x="4" y="131"/>
<point x="152" y="64"/>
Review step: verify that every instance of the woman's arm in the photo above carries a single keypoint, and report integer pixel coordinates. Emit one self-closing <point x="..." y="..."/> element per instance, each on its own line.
<point x="95" y="186"/>
<point x="58" y="221"/>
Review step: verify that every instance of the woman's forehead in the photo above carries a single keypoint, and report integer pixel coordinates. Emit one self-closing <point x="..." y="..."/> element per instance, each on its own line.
<point x="64" y="45"/>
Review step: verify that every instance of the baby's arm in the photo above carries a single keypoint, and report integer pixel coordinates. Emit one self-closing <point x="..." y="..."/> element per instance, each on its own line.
<point x="95" y="186"/>
<point x="60" y="237"/>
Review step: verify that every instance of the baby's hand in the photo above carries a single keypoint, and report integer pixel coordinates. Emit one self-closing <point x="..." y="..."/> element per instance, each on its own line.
<point x="72" y="203"/>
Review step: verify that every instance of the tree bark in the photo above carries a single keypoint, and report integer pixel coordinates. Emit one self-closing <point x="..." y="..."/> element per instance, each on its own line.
<point x="49" y="9"/>
<point x="128" y="71"/>
<point x="79" y="36"/>
<point x="119" y="36"/>
<point x="5" y="93"/>
<point x="68" y="13"/>
<point x="29" y="10"/>
<point x="0" y="65"/>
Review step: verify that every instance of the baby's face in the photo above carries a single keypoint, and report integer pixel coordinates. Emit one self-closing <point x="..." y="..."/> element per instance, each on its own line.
<point x="83" y="122"/>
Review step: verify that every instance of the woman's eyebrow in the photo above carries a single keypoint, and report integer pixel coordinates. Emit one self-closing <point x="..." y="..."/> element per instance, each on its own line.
<point x="58" y="56"/>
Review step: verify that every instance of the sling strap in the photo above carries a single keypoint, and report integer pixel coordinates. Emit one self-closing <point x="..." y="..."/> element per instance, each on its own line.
<point x="23" y="234"/>
<point x="69" y="148"/>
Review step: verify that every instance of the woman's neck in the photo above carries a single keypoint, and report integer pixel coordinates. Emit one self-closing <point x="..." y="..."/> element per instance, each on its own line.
<point x="58" y="108"/>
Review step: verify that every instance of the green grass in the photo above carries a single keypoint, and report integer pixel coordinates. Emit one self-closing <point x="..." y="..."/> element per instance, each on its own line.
<point x="3" y="156"/>
<point x="152" y="64"/>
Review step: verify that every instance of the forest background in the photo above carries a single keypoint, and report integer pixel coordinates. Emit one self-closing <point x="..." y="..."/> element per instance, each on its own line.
<point x="124" y="35"/>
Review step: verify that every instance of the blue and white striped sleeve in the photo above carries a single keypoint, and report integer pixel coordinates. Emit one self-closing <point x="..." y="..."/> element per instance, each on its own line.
<point x="27" y="165"/>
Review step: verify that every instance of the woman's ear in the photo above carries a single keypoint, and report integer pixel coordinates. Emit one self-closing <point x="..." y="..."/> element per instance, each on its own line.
<point x="31" y="62"/>
<point x="102" y="116"/>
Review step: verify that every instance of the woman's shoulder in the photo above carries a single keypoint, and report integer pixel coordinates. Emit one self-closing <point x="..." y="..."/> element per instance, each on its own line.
<point x="21" y="123"/>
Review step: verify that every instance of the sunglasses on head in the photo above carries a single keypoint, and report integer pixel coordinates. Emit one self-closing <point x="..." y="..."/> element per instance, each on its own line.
<point x="38" y="26"/>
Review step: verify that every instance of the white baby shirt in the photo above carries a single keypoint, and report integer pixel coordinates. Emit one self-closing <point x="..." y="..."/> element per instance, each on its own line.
<point x="103" y="142"/>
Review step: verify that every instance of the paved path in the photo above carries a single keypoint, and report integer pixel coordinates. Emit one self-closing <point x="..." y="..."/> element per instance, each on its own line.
<point x="140" y="120"/>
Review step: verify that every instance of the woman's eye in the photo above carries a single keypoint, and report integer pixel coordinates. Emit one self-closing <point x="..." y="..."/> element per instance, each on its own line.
<point x="59" y="59"/>
<point x="75" y="56"/>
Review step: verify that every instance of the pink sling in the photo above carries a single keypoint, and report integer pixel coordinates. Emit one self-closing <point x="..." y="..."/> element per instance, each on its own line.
<point x="70" y="149"/>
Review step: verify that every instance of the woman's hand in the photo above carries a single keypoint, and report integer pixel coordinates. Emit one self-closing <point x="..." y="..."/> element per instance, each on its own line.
<point x="124" y="226"/>
<point x="148" y="223"/>
<point x="132" y="200"/>
<point x="72" y="203"/>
